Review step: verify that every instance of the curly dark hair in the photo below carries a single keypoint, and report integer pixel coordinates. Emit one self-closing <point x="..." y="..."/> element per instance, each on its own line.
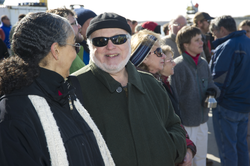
<point x="32" y="40"/>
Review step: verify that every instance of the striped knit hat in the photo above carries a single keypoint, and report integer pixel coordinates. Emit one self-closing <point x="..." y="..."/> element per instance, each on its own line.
<point x="138" y="56"/>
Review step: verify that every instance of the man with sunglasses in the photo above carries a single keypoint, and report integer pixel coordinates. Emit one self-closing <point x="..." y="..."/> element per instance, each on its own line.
<point x="130" y="108"/>
<point x="70" y="16"/>
<point x="202" y="21"/>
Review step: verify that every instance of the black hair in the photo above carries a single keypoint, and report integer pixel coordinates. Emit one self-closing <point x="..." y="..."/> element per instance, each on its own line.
<point x="226" y="21"/>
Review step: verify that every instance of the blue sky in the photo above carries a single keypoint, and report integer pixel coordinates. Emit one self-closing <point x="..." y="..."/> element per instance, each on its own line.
<point x="155" y="10"/>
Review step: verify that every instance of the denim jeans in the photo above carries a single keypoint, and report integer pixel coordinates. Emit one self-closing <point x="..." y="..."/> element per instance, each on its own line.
<point x="230" y="128"/>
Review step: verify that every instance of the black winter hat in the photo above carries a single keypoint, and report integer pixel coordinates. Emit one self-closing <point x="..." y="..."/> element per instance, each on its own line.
<point x="83" y="15"/>
<point x="108" y="20"/>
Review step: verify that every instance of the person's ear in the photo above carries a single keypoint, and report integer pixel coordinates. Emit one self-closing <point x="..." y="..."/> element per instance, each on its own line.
<point x="185" y="45"/>
<point x="55" y="50"/>
<point x="224" y="31"/>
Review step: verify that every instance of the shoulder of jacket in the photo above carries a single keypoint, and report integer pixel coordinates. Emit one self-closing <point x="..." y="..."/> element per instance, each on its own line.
<point x="81" y="71"/>
<point x="179" y="59"/>
<point x="147" y="77"/>
<point x="203" y="60"/>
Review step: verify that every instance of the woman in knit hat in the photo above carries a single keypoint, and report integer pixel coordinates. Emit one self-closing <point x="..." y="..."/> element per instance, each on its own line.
<point x="147" y="54"/>
<point x="41" y="119"/>
<point x="143" y="43"/>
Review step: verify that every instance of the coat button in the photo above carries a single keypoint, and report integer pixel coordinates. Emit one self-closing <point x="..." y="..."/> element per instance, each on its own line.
<point x="119" y="90"/>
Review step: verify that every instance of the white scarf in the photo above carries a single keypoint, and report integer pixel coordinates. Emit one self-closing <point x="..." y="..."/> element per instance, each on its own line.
<point x="53" y="137"/>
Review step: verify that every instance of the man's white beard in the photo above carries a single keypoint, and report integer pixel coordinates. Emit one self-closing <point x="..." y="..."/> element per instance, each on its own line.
<point x="111" y="69"/>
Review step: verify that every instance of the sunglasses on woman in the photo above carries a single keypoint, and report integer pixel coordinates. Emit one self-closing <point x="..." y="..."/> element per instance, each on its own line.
<point x="158" y="52"/>
<point x="103" y="41"/>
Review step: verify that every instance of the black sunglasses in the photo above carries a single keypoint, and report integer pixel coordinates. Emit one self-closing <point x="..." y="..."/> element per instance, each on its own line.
<point x="103" y="41"/>
<point x="158" y="52"/>
<point x="208" y="21"/>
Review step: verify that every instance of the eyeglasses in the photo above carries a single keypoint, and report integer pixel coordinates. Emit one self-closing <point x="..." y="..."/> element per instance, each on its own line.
<point x="103" y="41"/>
<point x="178" y="25"/>
<point x="158" y="52"/>
<point x="208" y="21"/>
<point x="76" y="45"/>
<point x="74" y="23"/>
<point x="169" y="60"/>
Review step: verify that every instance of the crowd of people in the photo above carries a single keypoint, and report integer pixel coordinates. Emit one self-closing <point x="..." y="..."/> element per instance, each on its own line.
<point x="79" y="88"/>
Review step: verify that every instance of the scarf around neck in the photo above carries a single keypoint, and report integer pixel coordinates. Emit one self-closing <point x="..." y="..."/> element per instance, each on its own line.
<point x="55" y="144"/>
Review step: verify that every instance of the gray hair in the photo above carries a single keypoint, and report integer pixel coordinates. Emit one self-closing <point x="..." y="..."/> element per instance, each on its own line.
<point x="36" y="32"/>
<point x="31" y="43"/>
<point x="226" y="21"/>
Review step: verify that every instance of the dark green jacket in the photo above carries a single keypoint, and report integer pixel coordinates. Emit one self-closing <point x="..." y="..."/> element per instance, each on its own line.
<point x="140" y="126"/>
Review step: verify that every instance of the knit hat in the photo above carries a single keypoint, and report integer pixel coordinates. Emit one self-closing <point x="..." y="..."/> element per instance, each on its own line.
<point x="83" y="15"/>
<point x="200" y="16"/>
<point x="108" y="20"/>
<point x="153" y="26"/>
<point x="138" y="56"/>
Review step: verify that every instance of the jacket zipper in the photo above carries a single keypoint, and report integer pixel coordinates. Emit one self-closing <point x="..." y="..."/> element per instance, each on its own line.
<point x="70" y="103"/>
<point x="197" y="78"/>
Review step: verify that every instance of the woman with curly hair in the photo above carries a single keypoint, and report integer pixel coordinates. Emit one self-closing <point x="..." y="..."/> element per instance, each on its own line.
<point x="41" y="119"/>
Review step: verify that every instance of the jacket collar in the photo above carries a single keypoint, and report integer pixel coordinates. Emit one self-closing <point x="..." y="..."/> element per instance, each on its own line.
<point x="51" y="82"/>
<point x="111" y="84"/>
<point x="190" y="60"/>
<point x="231" y="35"/>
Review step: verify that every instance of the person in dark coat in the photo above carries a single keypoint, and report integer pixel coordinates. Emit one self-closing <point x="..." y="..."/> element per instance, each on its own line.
<point x="150" y="61"/>
<point x="42" y="122"/>
<point x="6" y="27"/>
<point x="131" y="108"/>
<point x="229" y="68"/>
<point x="167" y="71"/>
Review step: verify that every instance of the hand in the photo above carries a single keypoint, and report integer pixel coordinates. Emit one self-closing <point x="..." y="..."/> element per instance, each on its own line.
<point x="211" y="92"/>
<point x="188" y="158"/>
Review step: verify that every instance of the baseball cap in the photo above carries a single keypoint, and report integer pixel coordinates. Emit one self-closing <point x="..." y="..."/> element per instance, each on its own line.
<point x="200" y="16"/>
